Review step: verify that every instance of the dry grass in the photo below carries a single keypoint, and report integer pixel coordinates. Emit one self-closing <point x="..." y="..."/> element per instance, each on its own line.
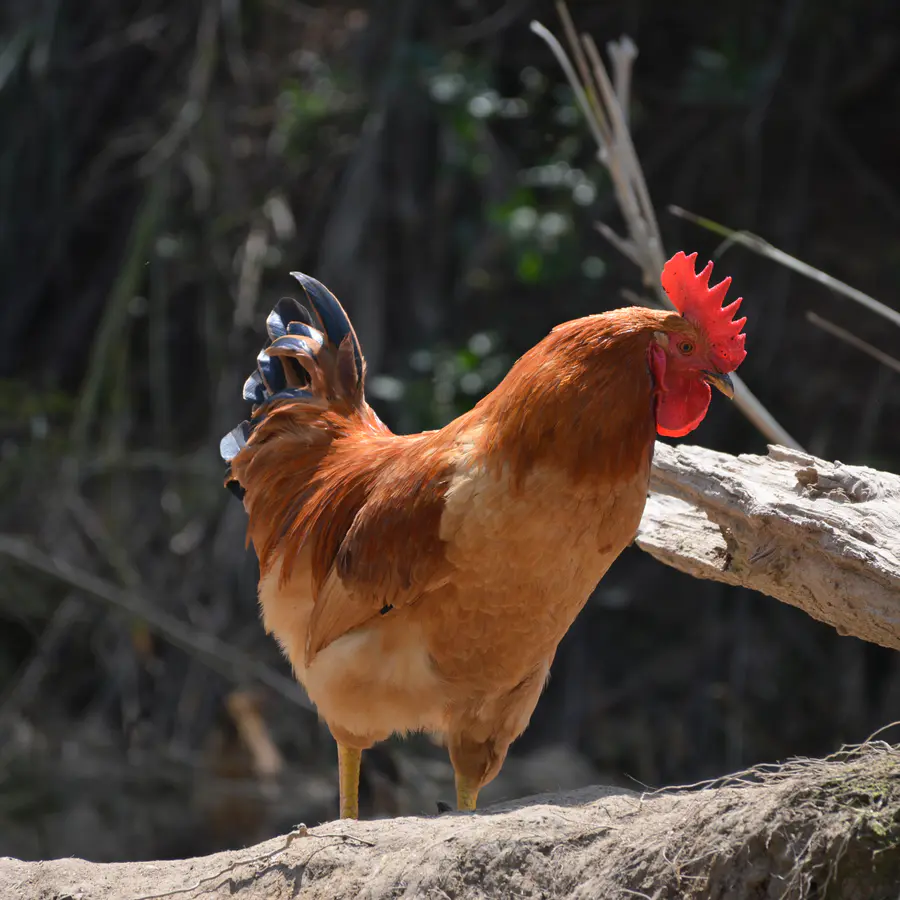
<point x="827" y="824"/>
<point x="604" y="101"/>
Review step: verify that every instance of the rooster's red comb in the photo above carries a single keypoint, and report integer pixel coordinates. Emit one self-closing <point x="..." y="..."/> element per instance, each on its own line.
<point x="701" y="304"/>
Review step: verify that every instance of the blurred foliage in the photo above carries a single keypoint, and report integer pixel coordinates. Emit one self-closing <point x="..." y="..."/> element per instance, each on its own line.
<point x="165" y="165"/>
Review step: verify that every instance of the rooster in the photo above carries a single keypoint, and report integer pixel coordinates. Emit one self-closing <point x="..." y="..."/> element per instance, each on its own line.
<point x="424" y="581"/>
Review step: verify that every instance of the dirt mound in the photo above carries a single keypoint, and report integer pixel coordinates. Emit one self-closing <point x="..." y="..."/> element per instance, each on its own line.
<point x="809" y="828"/>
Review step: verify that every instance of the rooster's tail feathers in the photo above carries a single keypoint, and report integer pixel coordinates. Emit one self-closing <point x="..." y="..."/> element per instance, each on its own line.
<point x="312" y="358"/>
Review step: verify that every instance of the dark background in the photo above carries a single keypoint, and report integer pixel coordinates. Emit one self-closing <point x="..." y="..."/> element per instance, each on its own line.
<point x="164" y="165"/>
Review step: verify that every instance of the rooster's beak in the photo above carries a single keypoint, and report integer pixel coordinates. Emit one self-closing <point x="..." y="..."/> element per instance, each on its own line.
<point x="721" y="381"/>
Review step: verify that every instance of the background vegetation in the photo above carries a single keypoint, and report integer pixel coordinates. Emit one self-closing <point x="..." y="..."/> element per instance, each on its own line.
<point x="164" y="165"/>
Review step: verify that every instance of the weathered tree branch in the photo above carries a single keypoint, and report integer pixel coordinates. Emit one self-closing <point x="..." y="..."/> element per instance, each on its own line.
<point x="821" y="536"/>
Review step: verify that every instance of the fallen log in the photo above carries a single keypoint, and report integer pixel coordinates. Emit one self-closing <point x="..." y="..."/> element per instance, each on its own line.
<point x="822" y="536"/>
<point x="812" y="828"/>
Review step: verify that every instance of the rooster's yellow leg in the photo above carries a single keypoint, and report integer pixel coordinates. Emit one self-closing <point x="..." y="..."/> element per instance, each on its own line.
<point x="348" y="774"/>
<point x="466" y="792"/>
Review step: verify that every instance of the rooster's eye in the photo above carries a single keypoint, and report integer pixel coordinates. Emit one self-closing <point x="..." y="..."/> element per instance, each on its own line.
<point x="686" y="347"/>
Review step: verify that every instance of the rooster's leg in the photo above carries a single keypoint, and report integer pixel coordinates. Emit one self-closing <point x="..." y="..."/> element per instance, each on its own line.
<point x="474" y="763"/>
<point x="348" y="774"/>
<point x="479" y="735"/>
<point x="466" y="792"/>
